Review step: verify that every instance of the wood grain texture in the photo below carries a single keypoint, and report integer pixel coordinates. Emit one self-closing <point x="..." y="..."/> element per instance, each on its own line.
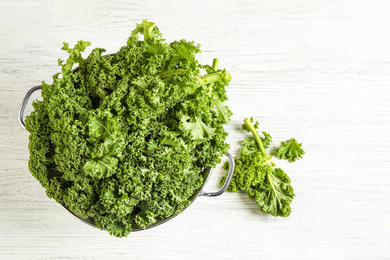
<point x="318" y="71"/>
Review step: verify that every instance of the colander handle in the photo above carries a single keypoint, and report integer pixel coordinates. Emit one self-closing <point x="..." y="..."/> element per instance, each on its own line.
<point x="227" y="181"/>
<point x="24" y="103"/>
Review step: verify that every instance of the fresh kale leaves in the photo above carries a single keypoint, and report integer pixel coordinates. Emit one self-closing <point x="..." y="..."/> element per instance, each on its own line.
<point x="254" y="173"/>
<point x="123" y="138"/>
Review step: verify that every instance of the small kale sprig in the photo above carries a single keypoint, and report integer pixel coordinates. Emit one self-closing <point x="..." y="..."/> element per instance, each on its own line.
<point x="256" y="174"/>
<point x="290" y="150"/>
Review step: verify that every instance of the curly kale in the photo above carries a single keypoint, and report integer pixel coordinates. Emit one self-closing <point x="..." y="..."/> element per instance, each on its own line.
<point x="290" y="150"/>
<point x="254" y="173"/>
<point x="122" y="139"/>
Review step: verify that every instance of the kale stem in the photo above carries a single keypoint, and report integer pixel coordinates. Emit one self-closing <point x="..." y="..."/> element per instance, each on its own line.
<point x="256" y="135"/>
<point x="213" y="77"/>
<point x="203" y="80"/>
<point x="148" y="29"/>
<point x="215" y="64"/>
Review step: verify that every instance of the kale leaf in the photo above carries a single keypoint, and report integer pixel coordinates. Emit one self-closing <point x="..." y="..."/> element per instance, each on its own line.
<point x="290" y="150"/>
<point x="254" y="173"/>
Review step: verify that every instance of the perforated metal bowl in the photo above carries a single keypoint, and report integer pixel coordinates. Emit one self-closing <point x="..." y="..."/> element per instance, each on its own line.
<point x="205" y="174"/>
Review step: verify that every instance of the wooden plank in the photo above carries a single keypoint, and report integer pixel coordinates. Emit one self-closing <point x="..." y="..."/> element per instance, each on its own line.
<point x="318" y="71"/>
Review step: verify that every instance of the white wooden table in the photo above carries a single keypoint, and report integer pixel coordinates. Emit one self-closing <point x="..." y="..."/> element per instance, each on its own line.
<point x="318" y="71"/>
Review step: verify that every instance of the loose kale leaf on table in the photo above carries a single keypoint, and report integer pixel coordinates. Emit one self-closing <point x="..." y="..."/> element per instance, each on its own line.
<point x="256" y="174"/>
<point x="290" y="150"/>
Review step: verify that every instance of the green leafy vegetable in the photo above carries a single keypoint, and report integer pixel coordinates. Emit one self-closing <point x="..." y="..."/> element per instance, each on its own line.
<point x="290" y="150"/>
<point x="254" y="173"/>
<point x="276" y="194"/>
<point x="122" y="139"/>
